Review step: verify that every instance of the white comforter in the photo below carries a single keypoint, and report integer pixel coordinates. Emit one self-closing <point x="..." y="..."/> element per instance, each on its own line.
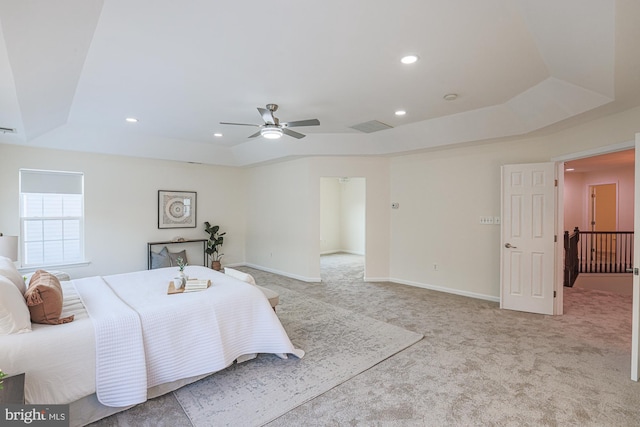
<point x="59" y="360"/>
<point x="143" y="337"/>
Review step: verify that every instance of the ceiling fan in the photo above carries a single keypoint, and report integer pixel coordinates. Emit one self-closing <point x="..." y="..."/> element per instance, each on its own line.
<point x="272" y="128"/>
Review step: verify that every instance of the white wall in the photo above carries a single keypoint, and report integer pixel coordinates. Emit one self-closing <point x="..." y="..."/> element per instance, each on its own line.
<point x="577" y="196"/>
<point x="330" y="214"/>
<point x="274" y="210"/>
<point x="283" y="235"/>
<point x="121" y="199"/>
<point x="280" y="236"/>
<point x="443" y="193"/>
<point x="342" y="215"/>
<point x="352" y="215"/>
<point x="574" y="201"/>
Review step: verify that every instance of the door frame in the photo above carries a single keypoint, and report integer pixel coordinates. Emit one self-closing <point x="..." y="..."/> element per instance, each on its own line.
<point x="558" y="308"/>
<point x="364" y="225"/>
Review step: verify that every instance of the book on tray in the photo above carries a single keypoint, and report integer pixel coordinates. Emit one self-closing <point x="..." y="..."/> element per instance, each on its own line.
<point x="194" y="285"/>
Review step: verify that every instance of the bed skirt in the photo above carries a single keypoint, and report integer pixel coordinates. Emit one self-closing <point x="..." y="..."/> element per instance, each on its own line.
<point x="88" y="409"/>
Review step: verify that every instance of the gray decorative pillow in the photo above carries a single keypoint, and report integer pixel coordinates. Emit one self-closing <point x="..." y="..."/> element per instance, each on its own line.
<point x="160" y="259"/>
<point x="173" y="256"/>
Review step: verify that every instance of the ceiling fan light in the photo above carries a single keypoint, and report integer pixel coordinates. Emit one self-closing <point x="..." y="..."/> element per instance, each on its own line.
<point x="271" y="132"/>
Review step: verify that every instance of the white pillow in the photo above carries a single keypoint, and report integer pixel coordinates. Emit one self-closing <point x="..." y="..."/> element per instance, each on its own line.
<point x="8" y="269"/>
<point x="14" y="313"/>
<point x="245" y="277"/>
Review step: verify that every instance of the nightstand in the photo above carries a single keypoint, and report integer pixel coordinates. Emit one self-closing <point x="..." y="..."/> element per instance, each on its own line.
<point x="13" y="390"/>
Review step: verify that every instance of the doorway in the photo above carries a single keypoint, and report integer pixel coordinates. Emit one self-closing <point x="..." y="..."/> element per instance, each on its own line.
<point x="342" y="216"/>
<point x="603" y="207"/>
<point x="599" y="197"/>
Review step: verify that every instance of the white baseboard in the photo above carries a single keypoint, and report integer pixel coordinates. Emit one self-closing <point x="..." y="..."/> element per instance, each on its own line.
<point x="377" y="279"/>
<point x="283" y="273"/>
<point x="442" y="289"/>
<point x="341" y="251"/>
<point x="380" y="279"/>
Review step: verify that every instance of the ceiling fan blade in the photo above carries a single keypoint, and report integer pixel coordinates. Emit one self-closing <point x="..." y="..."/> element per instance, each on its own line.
<point x="309" y="122"/>
<point x="293" y="133"/>
<point x="267" y="116"/>
<point x="254" y="135"/>
<point x="239" y="124"/>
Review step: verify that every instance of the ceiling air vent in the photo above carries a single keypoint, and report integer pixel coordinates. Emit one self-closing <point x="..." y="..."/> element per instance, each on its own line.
<point x="7" y="130"/>
<point x="372" y="126"/>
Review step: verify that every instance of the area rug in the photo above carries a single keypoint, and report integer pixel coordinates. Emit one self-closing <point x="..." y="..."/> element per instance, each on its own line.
<point x="339" y="344"/>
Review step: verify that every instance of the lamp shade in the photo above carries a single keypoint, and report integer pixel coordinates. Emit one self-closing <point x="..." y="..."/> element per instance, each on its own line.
<point x="9" y="247"/>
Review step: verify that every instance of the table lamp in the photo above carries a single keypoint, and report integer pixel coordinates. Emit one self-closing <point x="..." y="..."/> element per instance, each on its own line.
<point x="9" y="247"/>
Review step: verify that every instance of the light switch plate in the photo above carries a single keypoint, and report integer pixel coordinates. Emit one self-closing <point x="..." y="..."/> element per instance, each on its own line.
<point x="486" y="220"/>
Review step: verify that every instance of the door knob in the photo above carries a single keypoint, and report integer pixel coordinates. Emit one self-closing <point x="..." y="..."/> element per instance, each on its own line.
<point x="508" y="245"/>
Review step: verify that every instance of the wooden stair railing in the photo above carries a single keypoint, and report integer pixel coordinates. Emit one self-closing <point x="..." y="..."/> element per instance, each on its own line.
<point x="597" y="252"/>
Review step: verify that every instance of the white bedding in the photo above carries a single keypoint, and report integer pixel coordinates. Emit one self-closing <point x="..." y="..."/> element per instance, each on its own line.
<point x="58" y="359"/>
<point x="183" y="336"/>
<point x="120" y="369"/>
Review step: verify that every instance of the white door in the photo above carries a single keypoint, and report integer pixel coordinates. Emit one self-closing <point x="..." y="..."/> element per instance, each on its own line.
<point x="635" y="317"/>
<point x="528" y="238"/>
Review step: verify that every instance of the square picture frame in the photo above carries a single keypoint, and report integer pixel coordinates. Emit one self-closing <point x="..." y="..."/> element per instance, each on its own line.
<point x="177" y="209"/>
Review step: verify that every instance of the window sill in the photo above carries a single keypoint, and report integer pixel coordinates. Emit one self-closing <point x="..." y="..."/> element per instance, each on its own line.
<point x="30" y="268"/>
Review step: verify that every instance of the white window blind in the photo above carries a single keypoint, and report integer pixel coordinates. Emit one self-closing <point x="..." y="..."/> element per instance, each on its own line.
<point x="51" y="217"/>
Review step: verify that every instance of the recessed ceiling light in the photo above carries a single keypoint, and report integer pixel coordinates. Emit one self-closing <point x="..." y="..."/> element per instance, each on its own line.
<point x="400" y="113"/>
<point x="131" y="120"/>
<point x="217" y="135"/>
<point x="409" y="59"/>
<point x="450" y="97"/>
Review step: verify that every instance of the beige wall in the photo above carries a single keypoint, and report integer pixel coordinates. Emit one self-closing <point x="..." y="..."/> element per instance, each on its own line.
<point x="121" y="199"/>
<point x="353" y="215"/>
<point x="577" y="200"/>
<point x="272" y="212"/>
<point x="574" y="202"/>
<point x="329" y="215"/>
<point x="342" y="215"/>
<point x="283" y="235"/>
<point x="442" y="194"/>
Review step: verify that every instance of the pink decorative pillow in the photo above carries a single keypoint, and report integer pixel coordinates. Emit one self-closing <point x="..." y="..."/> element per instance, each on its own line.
<point x="44" y="299"/>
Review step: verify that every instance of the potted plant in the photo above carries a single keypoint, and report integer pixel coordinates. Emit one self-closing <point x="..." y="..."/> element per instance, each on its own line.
<point x="213" y="245"/>
<point x="2" y="375"/>
<point x="182" y="276"/>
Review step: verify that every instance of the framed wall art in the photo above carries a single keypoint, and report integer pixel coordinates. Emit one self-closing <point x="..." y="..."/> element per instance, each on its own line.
<point x="176" y="209"/>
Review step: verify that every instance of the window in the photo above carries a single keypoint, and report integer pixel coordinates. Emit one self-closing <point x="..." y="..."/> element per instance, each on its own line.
<point x="51" y="217"/>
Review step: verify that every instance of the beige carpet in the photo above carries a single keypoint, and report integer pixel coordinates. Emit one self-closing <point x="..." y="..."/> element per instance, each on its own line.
<point x="339" y="344"/>
<point x="477" y="365"/>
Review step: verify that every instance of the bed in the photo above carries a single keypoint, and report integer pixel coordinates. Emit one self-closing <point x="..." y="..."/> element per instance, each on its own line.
<point x="130" y="340"/>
